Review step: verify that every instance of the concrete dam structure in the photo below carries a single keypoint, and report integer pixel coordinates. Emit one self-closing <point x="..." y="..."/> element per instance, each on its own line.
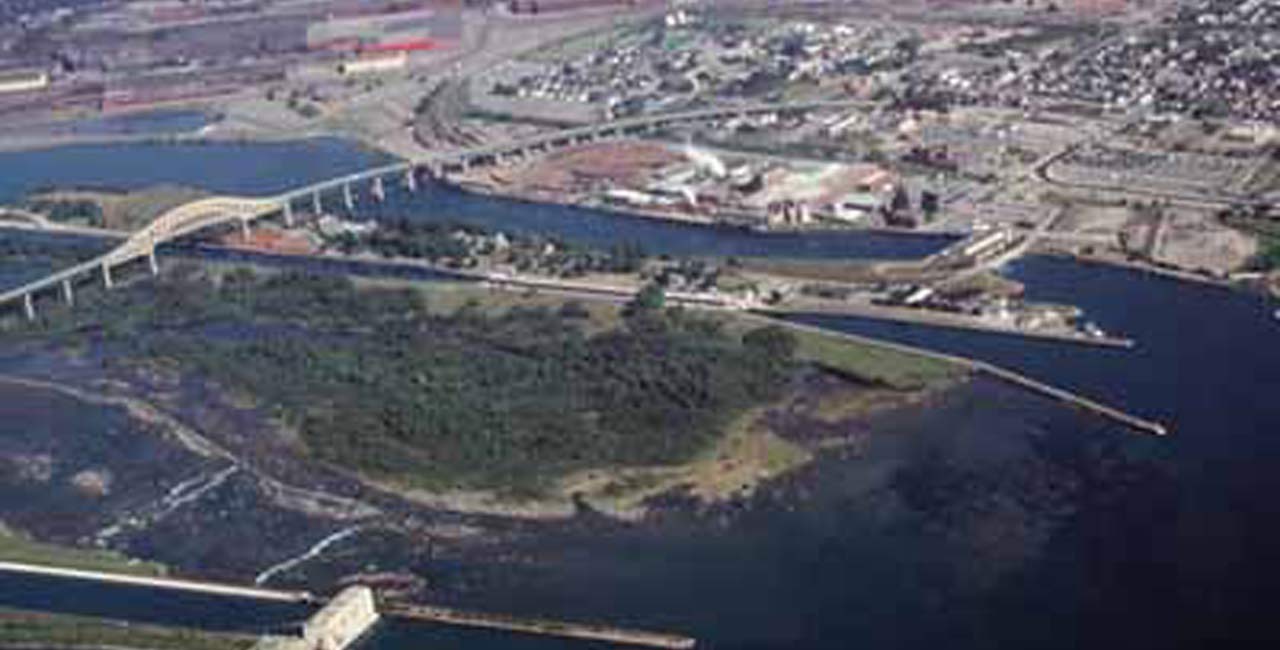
<point x="336" y="626"/>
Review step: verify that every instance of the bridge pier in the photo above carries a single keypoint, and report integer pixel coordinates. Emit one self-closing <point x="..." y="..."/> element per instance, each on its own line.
<point x="106" y="276"/>
<point x="244" y="230"/>
<point x="29" y="307"/>
<point x="152" y="262"/>
<point x="317" y="207"/>
<point x="67" y="296"/>
<point x="411" y="179"/>
<point x="347" y="198"/>
<point x="379" y="191"/>
<point x="288" y="214"/>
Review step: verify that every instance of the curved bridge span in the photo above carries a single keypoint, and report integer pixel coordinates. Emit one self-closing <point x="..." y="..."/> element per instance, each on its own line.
<point x="223" y="210"/>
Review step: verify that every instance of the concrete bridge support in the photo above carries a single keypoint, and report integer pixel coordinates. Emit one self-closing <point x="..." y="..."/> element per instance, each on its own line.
<point x="152" y="262"/>
<point x="411" y="179"/>
<point x="347" y="198"/>
<point x="287" y="209"/>
<point x="379" y="190"/>
<point x="67" y="295"/>
<point x="29" y="307"/>
<point x="244" y="229"/>
<point x="317" y="207"/>
<point x="106" y="276"/>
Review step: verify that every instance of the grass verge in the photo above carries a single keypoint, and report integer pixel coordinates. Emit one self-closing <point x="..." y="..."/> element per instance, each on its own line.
<point x="22" y="629"/>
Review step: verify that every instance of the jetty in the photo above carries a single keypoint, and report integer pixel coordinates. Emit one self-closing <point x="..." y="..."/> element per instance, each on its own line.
<point x="540" y="626"/>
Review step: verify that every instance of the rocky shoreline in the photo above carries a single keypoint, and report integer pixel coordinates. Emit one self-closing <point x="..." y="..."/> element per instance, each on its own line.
<point x="241" y="476"/>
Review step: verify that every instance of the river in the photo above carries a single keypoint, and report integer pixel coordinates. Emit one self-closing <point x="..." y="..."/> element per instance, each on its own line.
<point x="833" y="559"/>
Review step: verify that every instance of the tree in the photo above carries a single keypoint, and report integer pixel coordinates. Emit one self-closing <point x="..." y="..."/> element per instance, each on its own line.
<point x="774" y="342"/>
<point x="651" y="298"/>
<point x="928" y="203"/>
<point x="574" y="309"/>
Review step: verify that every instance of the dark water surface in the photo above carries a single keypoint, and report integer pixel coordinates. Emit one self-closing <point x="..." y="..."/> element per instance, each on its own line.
<point x="146" y="605"/>
<point x="229" y="168"/>
<point x="599" y="228"/>
<point x="1034" y="527"/>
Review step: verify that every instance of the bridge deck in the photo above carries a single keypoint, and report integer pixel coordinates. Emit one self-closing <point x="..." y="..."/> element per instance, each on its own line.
<point x="209" y="212"/>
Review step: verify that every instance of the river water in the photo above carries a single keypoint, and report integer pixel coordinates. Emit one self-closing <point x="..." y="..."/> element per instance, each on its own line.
<point x="834" y="560"/>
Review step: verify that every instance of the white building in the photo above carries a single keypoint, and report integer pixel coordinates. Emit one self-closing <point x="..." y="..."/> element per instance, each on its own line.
<point x="374" y="64"/>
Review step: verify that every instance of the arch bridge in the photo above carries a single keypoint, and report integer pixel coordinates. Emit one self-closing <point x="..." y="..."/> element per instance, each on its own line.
<point x="223" y="210"/>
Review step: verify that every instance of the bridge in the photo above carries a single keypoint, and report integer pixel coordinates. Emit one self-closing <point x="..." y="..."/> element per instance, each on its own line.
<point x="242" y="211"/>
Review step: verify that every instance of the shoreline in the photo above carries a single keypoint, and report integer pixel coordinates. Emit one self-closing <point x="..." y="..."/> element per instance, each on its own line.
<point x="1147" y="269"/>
<point x="478" y="188"/>
<point x="948" y="321"/>
<point x="619" y="491"/>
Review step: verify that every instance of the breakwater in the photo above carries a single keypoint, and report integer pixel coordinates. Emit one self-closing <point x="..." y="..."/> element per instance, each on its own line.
<point x="1131" y="421"/>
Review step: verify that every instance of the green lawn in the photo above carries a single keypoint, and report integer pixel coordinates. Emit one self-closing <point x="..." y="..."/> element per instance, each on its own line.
<point x="873" y="363"/>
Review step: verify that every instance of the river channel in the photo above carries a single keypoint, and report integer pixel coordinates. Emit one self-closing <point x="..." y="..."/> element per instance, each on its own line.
<point x="831" y="559"/>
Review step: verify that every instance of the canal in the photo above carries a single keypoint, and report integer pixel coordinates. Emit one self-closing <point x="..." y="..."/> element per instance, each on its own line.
<point x="835" y="561"/>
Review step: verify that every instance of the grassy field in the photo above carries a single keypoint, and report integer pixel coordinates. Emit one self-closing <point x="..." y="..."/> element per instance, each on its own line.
<point x="747" y="455"/>
<point x="838" y="270"/>
<point x="16" y="548"/>
<point x="21" y="629"/>
<point x="897" y="369"/>
<point x="444" y="298"/>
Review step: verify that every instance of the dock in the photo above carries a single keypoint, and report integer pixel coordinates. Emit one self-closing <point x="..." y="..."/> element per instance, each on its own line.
<point x="541" y="627"/>
<point x="196" y="586"/>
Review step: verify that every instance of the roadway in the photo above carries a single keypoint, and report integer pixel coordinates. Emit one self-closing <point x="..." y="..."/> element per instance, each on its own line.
<point x="221" y="210"/>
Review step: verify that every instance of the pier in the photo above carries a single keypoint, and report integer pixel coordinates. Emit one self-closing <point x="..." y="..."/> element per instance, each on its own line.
<point x="541" y="627"/>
